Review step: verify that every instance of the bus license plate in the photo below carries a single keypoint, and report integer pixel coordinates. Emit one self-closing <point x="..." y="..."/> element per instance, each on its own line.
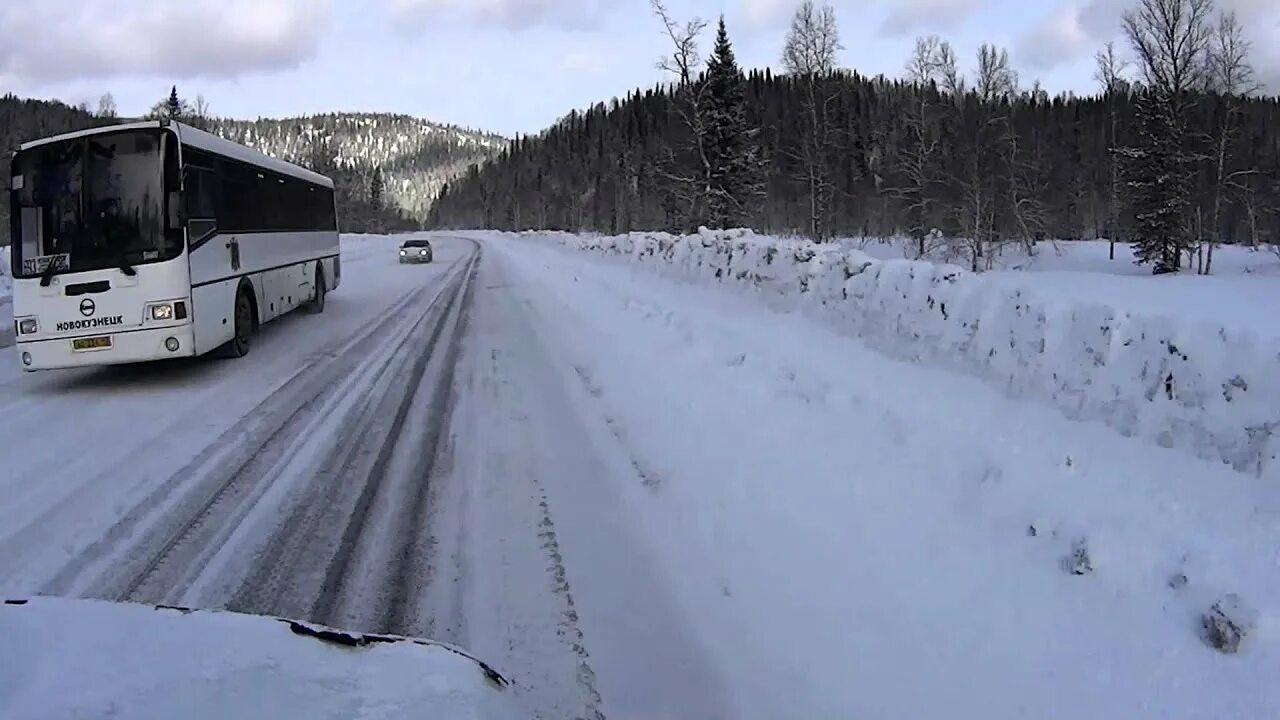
<point x="93" y="343"/>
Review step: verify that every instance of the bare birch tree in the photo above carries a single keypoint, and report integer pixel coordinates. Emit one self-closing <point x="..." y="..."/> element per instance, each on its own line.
<point x="810" y="55"/>
<point x="987" y="160"/>
<point x="689" y="96"/>
<point x="920" y="160"/>
<point x="1230" y="74"/>
<point x="1110" y="74"/>
<point x="107" y="106"/>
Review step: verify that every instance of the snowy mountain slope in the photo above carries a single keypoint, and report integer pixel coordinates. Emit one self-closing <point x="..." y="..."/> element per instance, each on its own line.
<point x="417" y="157"/>
<point x="1209" y="388"/>
<point x="76" y="658"/>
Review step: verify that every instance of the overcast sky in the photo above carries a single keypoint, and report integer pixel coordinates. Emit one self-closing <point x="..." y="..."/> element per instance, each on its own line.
<point x="504" y="65"/>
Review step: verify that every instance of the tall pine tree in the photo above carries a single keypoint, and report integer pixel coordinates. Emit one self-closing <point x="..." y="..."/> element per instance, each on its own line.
<point x="173" y="106"/>
<point x="1158" y="180"/>
<point x="731" y="151"/>
<point x="376" y="186"/>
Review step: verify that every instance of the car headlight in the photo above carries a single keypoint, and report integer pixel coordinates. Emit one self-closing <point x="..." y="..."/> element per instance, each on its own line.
<point x="28" y="326"/>
<point x="402" y="252"/>
<point x="422" y="252"/>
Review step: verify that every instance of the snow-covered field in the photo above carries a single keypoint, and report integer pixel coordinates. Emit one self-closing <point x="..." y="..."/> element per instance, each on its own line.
<point x="636" y="497"/>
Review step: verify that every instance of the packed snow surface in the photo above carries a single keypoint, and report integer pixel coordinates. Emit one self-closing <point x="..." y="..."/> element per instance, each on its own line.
<point x="856" y="536"/>
<point x="639" y="497"/>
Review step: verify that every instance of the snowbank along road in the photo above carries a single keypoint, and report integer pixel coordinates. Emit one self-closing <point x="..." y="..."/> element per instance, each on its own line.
<point x="641" y="499"/>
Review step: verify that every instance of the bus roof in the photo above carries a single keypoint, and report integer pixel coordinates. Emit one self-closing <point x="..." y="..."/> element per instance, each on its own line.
<point x="198" y="139"/>
<point x="222" y="146"/>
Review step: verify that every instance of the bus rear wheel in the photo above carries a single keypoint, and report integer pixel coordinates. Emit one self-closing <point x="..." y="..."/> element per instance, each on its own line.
<point x="316" y="306"/>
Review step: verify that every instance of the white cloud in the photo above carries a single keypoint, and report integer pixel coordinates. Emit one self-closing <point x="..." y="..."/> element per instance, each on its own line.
<point x="1080" y="27"/>
<point x="761" y="14"/>
<point x="508" y="14"/>
<point x="909" y="16"/>
<point x="1061" y="36"/>
<point x="902" y="16"/>
<point x="59" y="40"/>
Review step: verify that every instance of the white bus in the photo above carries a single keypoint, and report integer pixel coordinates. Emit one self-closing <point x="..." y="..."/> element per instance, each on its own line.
<point x="156" y="240"/>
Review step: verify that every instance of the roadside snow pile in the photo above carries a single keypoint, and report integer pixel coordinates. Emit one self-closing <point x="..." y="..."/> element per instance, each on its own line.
<point x="6" y="277"/>
<point x="1201" y="387"/>
<point x="78" y="658"/>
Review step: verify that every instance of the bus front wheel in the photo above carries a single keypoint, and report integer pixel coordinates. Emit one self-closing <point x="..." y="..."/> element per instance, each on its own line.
<point x="240" y="342"/>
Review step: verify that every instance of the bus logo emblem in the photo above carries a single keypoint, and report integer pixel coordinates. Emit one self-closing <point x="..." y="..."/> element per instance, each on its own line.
<point x="87" y="307"/>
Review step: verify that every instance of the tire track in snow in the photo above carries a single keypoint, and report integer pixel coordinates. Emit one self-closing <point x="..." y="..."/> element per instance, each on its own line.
<point x="217" y="471"/>
<point x="568" y="622"/>
<point x="312" y="566"/>
<point x="500" y="582"/>
<point x="169" y="538"/>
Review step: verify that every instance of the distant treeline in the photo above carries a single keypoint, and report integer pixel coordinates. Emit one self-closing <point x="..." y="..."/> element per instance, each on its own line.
<point x="608" y="169"/>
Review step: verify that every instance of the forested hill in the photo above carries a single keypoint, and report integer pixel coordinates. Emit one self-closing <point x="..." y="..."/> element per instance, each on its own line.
<point x="413" y="157"/>
<point x="900" y="158"/>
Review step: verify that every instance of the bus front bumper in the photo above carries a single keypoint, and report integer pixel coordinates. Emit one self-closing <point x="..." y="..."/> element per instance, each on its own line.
<point x="126" y="347"/>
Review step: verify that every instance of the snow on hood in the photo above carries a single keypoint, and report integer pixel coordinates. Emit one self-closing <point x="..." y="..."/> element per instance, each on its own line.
<point x="89" y="659"/>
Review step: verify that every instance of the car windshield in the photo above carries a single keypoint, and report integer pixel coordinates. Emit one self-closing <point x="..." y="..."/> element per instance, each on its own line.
<point x="89" y="203"/>
<point x="416" y="244"/>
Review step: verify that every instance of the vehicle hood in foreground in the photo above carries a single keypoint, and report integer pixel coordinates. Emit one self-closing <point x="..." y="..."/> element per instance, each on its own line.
<point x="84" y="658"/>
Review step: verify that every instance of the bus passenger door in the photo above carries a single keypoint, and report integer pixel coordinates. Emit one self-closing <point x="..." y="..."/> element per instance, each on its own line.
<point x="213" y="262"/>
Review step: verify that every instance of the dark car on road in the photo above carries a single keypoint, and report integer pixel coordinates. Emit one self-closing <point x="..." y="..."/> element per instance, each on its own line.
<point x="416" y="251"/>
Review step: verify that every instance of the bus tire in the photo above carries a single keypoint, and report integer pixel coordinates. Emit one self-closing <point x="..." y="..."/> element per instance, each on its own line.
<point x="316" y="306"/>
<point x="246" y="324"/>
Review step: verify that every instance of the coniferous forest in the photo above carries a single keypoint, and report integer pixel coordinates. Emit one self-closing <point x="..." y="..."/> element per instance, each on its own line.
<point x="1176" y="149"/>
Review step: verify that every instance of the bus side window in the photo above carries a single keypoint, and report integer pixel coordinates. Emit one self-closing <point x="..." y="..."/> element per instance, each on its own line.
<point x="201" y="204"/>
<point x="201" y="187"/>
<point x="237" y="199"/>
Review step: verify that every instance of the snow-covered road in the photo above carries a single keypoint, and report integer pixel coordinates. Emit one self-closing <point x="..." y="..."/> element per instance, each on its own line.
<point x="642" y="499"/>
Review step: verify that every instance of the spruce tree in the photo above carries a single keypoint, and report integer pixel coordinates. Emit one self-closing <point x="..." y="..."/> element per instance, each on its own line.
<point x="731" y="152"/>
<point x="1158" y="176"/>
<point x="173" y="106"/>
<point x="376" y="187"/>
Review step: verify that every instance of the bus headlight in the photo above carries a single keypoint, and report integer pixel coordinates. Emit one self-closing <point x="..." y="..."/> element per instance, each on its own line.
<point x="171" y="310"/>
<point x="162" y="311"/>
<point x="26" y="359"/>
<point x="28" y="326"/>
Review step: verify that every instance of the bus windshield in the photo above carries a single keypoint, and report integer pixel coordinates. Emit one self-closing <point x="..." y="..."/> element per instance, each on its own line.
<point x="90" y="203"/>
